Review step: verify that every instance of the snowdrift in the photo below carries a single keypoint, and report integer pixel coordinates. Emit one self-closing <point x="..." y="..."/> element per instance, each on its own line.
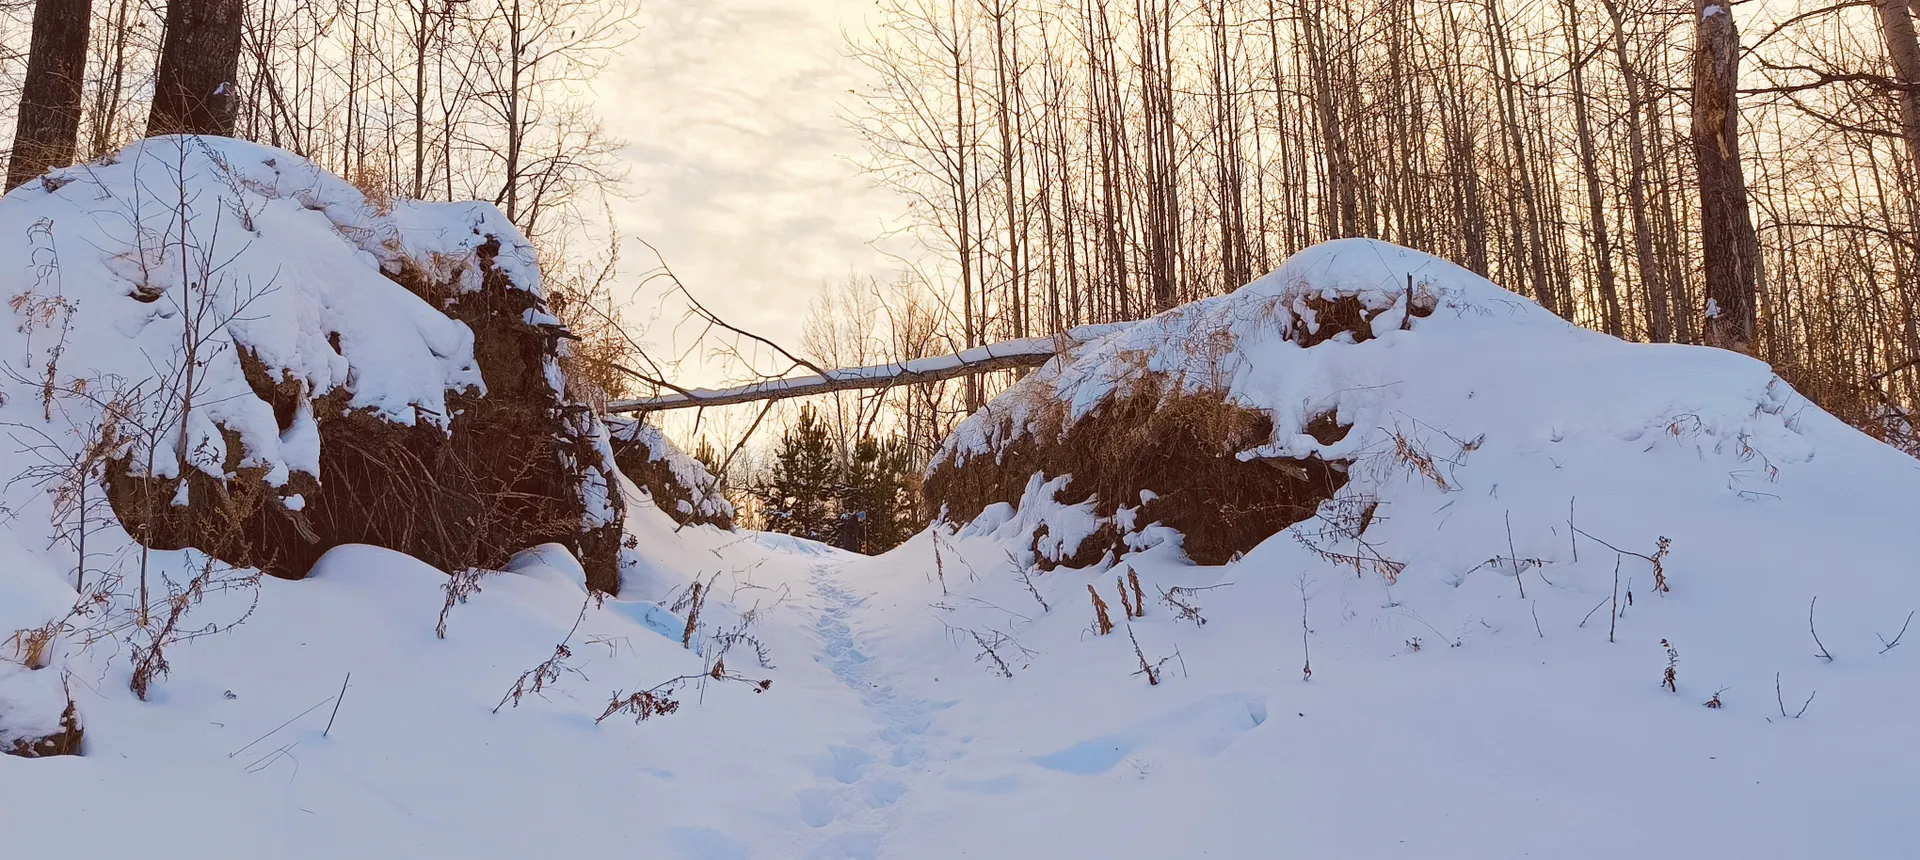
<point x="263" y="363"/>
<point x="1565" y="596"/>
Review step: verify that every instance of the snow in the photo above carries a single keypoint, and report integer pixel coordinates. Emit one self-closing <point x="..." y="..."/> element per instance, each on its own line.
<point x="707" y="501"/>
<point x="280" y="260"/>
<point x="1445" y="716"/>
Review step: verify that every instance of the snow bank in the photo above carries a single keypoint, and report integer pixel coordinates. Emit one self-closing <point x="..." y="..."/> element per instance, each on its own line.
<point x="1464" y="651"/>
<point x="678" y="484"/>
<point x="1328" y="337"/>
<point x="194" y="316"/>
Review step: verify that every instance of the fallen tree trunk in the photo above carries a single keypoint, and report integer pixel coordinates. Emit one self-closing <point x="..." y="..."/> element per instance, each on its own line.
<point x="1027" y="352"/>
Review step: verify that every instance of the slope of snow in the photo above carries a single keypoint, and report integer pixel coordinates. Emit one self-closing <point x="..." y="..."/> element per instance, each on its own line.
<point x="1446" y="715"/>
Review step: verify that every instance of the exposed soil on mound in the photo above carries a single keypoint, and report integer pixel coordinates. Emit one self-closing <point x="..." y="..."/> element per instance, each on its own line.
<point x="1181" y="449"/>
<point x="655" y="475"/>
<point x="506" y="474"/>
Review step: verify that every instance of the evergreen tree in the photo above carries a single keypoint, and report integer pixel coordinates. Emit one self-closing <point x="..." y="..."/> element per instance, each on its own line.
<point x="799" y="498"/>
<point x="876" y="484"/>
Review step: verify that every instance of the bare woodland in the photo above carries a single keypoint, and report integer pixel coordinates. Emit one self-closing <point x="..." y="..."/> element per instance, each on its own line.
<point x="1745" y="175"/>
<point x="1738" y="175"/>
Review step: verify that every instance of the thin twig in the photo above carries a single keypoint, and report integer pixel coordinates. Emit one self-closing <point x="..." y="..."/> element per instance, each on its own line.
<point x="1816" y="634"/>
<point x="336" y="704"/>
<point x="1896" y="636"/>
<point x="1514" y="557"/>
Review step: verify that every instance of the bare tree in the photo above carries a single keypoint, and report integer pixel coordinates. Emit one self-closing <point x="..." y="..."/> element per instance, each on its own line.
<point x="48" y="124"/>
<point x="194" y="89"/>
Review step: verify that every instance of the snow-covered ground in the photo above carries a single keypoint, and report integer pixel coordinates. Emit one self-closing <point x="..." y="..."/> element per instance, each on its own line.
<point x="943" y="701"/>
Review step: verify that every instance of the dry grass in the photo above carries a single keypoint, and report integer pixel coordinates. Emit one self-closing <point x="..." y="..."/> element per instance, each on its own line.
<point x="503" y="476"/>
<point x="1181" y="447"/>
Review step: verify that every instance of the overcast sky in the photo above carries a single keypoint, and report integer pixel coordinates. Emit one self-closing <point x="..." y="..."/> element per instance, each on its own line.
<point x="743" y="171"/>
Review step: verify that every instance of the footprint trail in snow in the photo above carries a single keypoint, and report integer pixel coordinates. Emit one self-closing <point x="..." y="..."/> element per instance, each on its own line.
<point x="860" y="785"/>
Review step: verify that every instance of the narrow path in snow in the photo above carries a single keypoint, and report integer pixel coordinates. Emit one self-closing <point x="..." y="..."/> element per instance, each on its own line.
<point x="854" y="804"/>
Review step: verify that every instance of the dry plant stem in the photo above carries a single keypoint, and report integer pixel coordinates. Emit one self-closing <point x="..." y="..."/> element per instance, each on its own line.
<point x="1781" y="701"/>
<point x="1306" y="652"/>
<point x="693" y="615"/>
<point x="1659" y="569"/>
<point x="1816" y="633"/>
<point x="1514" y="557"/>
<point x="337" y="699"/>
<point x="1151" y="671"/>
<point x="1027" y="581"/>
<point x="1896" y="636"/>
<point x="1615" y="619"/>
<point x="1102" y="624"/>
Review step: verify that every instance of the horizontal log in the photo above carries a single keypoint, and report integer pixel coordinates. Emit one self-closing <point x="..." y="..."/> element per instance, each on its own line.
<point x="1006" y="355"/>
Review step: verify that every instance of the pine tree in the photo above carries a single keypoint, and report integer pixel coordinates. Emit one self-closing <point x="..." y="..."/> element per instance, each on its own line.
<point x="876" y="484"/>
<point x="799" y="499"/>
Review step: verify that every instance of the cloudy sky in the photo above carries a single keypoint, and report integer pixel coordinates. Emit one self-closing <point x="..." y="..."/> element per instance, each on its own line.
<point x="743" y="171"/>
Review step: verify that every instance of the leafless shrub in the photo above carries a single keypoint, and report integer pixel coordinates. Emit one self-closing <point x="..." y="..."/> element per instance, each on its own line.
<point x="1715" y="702"/>
<point x="1782" y="702"/>
<point x="1347" y="520"/>
<point x="1026" y="579"/>
<point x="549" y="671"/>
<point x="990" y="650"/>
<point x="1816" y="633"/>
<point x="643" y="705"/>
<point x="1670" y="679"/>
<point x="460" y="585"/>
<point x="1180" y="599"/>
<point x="1657" y="559"/>
<point x="1151" y="670"/>
<point x="1414" y="457"/>
<point x="1896" y="636"/>
<point x="148" y="653"/>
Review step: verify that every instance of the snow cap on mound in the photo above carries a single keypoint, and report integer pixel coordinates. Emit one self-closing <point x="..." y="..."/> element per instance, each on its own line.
<point x="280" y="261"/>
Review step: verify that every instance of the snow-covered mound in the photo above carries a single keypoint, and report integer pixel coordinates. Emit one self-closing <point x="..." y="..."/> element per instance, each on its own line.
<point x="259" y="360"/>
<point x="678" y="484"/>
<point x="1577" y="598"/>
<point x="1320" y="371"/>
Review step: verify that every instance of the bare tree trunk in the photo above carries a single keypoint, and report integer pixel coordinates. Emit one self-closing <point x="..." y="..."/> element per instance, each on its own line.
<point x="193" y="89"/>
<point x="1589" y="165"/>
<point x="48" y="124"/>
<point x="1727" y="238"/>
<point x="1903" y="52"/>
<point x="1653" y="289"/>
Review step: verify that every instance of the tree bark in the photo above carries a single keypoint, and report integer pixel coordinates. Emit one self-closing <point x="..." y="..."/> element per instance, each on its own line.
<point x="1590" y="168"/>
<point x="48" y="124"/>
<point x="1728" y="243"/>
<point x="193" y="91"/>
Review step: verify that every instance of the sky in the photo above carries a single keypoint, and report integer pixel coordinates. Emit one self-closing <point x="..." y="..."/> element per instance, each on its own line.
<point x="743" y="171"/>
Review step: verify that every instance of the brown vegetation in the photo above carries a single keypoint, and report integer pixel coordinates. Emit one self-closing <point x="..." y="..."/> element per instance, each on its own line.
<point x="1181" y="447"/>
<point x="506" y="474"/>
